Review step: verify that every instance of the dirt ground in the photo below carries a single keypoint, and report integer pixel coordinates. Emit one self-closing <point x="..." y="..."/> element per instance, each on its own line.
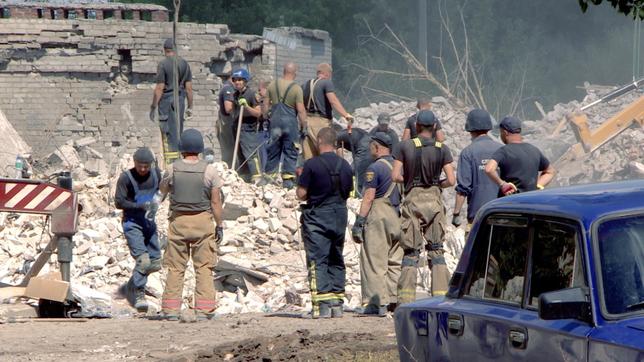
<point x="249" y="337"/>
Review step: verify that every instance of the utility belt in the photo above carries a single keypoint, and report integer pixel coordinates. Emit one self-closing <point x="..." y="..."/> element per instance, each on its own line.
<point x="174" y="213"/>
<point x="330" y="202"/>
<point x="423" y="186"/>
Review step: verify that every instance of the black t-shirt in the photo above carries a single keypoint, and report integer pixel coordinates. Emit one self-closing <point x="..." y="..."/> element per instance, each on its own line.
<point x="319" y="104"/>
<point x="435" y="155"/>
<point x="124" y="197"/>
<point x="411" y="125"/>
<point x="520" y="164"/>
<point x="316" y="178"/>
<point x="249" y="123"/>
<point x="227" y="93"/>
<point x="356" y="140"/>
<point x="165" y="71"/>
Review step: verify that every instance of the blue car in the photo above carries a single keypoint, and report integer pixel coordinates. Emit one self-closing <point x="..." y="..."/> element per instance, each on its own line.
<point x="553" y="275"/>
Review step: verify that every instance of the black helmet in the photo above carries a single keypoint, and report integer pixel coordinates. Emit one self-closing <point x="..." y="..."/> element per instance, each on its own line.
<point x="478" y="120"/>
<point x="191" y="141"/>
<point x="143" y="155"/>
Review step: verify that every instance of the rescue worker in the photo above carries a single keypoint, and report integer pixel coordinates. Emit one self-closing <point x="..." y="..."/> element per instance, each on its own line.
<point x="135" y="195"/>
<point x="163" y="100"/>
<point x="225" y="123"/>
<point x="418" y="164"/>
<point x="471" y="181"/>
<point x="522" y="166"/>
<point x="249" y="135"/>
<point x="195" y="202"/>
<point x="325" y="185"/>
<point x="377" y="227"/>
<point x="320" y="100"/>
<point x="358" y="144"/>
<point x="283" y="97"/>
<point x="383" y="126"/>
<point x="410" y="127"/>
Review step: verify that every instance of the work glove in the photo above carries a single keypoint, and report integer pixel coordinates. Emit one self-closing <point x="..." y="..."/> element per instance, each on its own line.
<point x="242" y="102"/>
<point x="219" y="234"/>
<point x="508" y="188"/>
<point x="457" y="220"/>
<point x="349" y="118"/>
<point x="357" y="231"/>
<point x="153" y="113"/>
<point x="188" y="113"/>
<point x="304" y="132"/>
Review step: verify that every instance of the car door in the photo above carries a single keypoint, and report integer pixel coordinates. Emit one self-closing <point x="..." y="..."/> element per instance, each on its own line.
<point x="493" y="320"/>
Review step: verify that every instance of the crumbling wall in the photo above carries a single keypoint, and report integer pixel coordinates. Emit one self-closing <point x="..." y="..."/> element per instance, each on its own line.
<point x="69" y="79"/>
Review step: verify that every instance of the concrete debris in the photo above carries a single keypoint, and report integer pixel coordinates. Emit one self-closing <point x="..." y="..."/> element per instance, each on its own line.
<point x="261" y="259"/>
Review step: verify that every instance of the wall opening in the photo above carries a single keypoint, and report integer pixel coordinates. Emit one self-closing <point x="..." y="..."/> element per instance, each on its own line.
<point x="90" y="14"/>
<point x="108" y="14"/>
<point x="146" y="15"/>
<point x="5" y="13"/>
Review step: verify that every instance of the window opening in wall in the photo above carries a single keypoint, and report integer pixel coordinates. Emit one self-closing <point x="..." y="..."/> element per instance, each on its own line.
<point x="56" y="14"/>
<point x="108" y="14"/>
<point x="70" y="14"/>
<point x="125" y="62"/>
<point x="128" y="15"/>
<point x="5" y="13"/>
<point x="146" y="15"/>
<point x="41" y="13"/>
<point x="90" y="14"/>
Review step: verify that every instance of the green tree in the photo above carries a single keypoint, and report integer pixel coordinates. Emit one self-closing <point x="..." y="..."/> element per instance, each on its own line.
<point x="627" y="7"/>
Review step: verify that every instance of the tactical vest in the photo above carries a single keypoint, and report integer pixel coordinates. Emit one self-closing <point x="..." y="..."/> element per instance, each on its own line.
<point x="189" y="192"/>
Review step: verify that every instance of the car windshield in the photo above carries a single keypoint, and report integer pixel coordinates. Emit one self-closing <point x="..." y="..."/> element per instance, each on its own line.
<point x="621" y="254"/>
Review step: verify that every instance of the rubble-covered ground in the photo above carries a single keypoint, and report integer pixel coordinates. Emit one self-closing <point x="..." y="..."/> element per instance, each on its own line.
<point x="261" y="268"/>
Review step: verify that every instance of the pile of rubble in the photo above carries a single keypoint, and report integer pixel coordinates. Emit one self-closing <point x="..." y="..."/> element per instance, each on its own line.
<point x="261" y="259"/>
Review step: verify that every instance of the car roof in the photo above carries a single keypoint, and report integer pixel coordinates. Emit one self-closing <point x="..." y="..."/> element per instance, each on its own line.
<point x="582" y="202"/>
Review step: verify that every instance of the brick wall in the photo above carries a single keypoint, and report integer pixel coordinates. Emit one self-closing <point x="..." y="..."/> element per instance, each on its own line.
<point x="60" y="79"/>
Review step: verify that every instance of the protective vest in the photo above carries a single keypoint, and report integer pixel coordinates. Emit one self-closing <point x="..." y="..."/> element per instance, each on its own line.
<point x="418" y="164"/>
<point x="189" y="193"/>
<point x="142" y="195"/>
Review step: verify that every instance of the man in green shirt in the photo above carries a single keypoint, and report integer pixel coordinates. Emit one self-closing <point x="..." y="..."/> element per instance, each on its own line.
<point x="284" y="99"/>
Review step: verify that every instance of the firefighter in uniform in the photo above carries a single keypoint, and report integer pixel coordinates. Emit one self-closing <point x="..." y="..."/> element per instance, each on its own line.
<point x="225" y="122"/>
<point x="283" y="97"/>
<point x="377" y="227"/>
<point x="325" y="184"/>
<point x="195" y="202"/>
<point x="135" y="195"/>
<point x="320" y="100"/>
<point x="418" y="164"/>
<point x="163" y="100"/>
<point x="471" y="181"/>
<point x="249" y="140"/>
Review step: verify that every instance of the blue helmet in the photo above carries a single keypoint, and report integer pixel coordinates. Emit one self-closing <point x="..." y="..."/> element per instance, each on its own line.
<point x="241" y="73"/>
<point x="191" y="141"/>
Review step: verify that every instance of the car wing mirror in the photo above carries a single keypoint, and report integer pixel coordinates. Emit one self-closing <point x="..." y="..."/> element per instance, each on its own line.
<point x="571" y="303"/>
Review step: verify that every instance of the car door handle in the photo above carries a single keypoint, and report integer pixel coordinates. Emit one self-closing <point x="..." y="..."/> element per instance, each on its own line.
<point x="455" y="324"/>
<point x="518" y="338"/>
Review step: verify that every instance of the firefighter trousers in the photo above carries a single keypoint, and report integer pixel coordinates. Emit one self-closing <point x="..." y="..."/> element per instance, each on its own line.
<point x="423" y="224"/>
<point x="323" y="231"/>
<point x="381" y="255"/>
<point x="190" y="236"/>
<point x="310" y="143"/>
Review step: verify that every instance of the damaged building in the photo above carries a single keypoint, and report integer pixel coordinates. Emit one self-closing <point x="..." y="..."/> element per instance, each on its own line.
<point x="74" y="70"/>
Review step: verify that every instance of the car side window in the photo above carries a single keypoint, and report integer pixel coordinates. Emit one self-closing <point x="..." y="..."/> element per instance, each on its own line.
<point x="499" y="268"/>
<point x="556" y="259"/>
